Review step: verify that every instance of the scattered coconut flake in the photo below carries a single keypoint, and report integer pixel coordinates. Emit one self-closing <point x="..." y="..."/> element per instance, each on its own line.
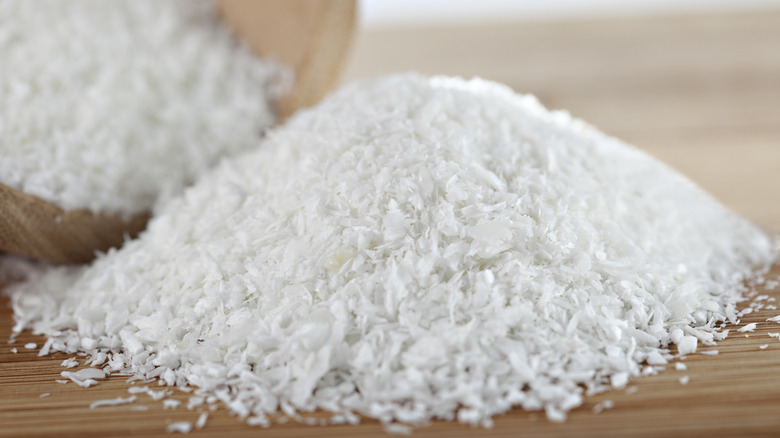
<point x="112" y="402"/>
<point x="398" y="429"/>
<point x="774" y="319"/>
<point x="679" y="366"/>
<point x="14" y="350"/>
<point x="85" y="377"/>
<point x="687" y="345"/>
<point x="62" y="381"/>
<point x="158" y="395"/>
<point x="140" y="408"/>
<point x="632" y="389"/>
<point x="30" y="346"/>
<point x="46" y="347"/>
<point x="69" y="363"/>
<point x="44" y="395"/>
<point x="180" y="427"/>
<point x="86" y="373"/>
<point x="171" y="404"/>
<point x="773" y="335"/>
<point x="194" y="401"/>
<point x="710" y="352"/>
<point x="138" y="390"/>
<point x="684" y="380"/>
<point x="262" y="421"/>
<point x="763" y="346"/>
<point x="413" y="248"/>
<point x="201" y="423"/>
<point x="748" y="327"/>
<point x="620" y="380"/>
<point x="656" y="358"/>
<point x="600" y="407"/>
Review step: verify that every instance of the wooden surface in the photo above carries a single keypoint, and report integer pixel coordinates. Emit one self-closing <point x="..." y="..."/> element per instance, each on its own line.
<point x="701" y="93"/>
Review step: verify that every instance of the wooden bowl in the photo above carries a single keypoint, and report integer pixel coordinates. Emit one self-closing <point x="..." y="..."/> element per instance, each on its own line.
<point x="311" y="36"/>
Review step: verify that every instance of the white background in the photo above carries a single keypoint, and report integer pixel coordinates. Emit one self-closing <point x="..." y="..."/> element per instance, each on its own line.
<point x="419" y="13"/>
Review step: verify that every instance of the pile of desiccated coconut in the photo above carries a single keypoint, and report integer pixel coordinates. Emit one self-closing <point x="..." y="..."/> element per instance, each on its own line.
<point x="411" y="249"/>
<point x="110" y="105"/>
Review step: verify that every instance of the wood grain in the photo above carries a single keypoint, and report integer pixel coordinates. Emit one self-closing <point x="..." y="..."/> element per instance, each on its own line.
<point x="699" y="92"/>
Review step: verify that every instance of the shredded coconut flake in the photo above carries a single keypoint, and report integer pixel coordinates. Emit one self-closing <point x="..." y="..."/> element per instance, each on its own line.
<point x="687" y="345"/>
<point x="110" y="105"/>
<point x="85" y="377"/>
<point x="70" y="363"/>
<point x="171" y="404"/>
<point x="398" y="429"/>
<point x="113" y="402"/>
<point x="748" y="327"/>
<point x="411" y="249"/>
<point x="600" y="407"/>
<point x="180" y="427"/>
<point x="202" y="418"/>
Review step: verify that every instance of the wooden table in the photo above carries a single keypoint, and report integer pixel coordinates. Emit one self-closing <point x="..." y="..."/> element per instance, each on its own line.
<point x="701" y="93"/>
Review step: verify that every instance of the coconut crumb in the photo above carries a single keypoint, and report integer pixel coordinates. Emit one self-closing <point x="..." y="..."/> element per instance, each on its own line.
<point x="202" y="418"/>
<point x="398" y="429"/>
<point x="171" y="404"/>
<point x="70" y="363"/>
<point x="112" y="402"/>
<point x="179" y="427"/>
<point x="748" y="327"/>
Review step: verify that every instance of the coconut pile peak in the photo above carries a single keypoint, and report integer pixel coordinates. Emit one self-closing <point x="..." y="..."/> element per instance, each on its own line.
<point x="412" y="248"/>
<point x="108" y="105"/>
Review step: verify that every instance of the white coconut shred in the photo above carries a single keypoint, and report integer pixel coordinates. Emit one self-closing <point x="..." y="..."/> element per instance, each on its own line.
<point x="108" y="105"/>
<point x="412" y="248"/>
